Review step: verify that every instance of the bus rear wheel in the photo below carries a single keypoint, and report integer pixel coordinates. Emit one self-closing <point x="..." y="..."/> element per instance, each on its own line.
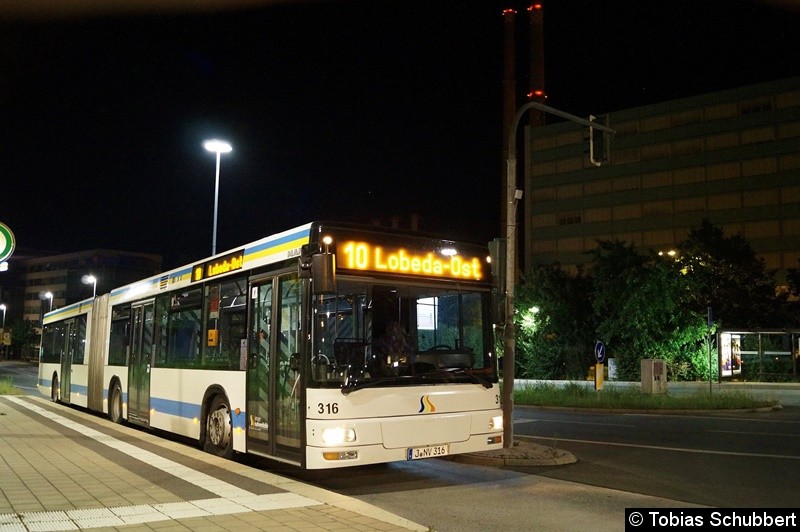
<point x="54" y="389"/>
<point x="219" y="428"/>
<point x="115" y="404"/>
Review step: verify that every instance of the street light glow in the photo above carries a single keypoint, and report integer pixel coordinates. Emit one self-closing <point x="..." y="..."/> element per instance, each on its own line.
<point x="93" y="280"/>
<point x="217" y="146"/>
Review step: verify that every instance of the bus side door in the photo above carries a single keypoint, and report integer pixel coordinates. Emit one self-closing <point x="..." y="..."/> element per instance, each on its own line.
<point x="140" y="362"/>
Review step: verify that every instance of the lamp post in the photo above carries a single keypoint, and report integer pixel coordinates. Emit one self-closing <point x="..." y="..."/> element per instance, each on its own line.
<point x="92" y="279"/>
<point x="219" y="147"/>
<point x="3" y="308"/>
<point x="49" y="295"/>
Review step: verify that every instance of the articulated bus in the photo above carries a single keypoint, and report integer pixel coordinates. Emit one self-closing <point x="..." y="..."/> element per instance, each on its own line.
<point x="327" y="345"/>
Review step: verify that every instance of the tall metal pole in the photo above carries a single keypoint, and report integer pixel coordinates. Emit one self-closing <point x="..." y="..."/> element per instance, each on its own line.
<point x="216" y="203"/>
<point x="509" y="333"/>
<point x="218" y="147"/>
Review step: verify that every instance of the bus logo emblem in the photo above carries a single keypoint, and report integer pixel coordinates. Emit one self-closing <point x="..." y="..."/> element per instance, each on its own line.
<point x="425" y="405"/>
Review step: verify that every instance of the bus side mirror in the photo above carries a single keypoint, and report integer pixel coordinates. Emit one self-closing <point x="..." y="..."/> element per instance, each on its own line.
<point x="323" y="273"/>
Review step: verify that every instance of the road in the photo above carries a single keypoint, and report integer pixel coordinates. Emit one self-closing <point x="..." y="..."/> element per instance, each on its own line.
<point x="704" y="459"/>
<point x="22" y="374"/>
<point x="625" y="460"/>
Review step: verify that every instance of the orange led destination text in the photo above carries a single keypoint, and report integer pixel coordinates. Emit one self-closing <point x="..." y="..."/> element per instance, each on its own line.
<point x="364" y="256"/>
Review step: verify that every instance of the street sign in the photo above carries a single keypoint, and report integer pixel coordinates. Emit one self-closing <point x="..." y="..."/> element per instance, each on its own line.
<point x="600" y="352"/>
<point x="6" y="242"/>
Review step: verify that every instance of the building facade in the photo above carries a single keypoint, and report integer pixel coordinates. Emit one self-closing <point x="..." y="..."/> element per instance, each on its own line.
<point x="30" y="278"/>
<point x="732" y="157"/>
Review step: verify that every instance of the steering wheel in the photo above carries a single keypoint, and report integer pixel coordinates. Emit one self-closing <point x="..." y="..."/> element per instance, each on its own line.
<point x="439" y="347"/>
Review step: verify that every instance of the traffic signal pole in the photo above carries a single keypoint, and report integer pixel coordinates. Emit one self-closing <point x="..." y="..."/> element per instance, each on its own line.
<point x="512" y="197"/>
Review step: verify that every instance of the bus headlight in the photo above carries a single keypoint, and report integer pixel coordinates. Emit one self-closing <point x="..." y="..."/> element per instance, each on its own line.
<point x="338" y="436"/>
<point x="497" y="423"/>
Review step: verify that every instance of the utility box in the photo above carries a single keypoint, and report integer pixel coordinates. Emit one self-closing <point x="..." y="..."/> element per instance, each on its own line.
<point x="654" y="376"/>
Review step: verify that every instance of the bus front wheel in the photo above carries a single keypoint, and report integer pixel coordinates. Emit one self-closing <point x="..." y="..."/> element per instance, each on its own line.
<point x="219" y="433"/>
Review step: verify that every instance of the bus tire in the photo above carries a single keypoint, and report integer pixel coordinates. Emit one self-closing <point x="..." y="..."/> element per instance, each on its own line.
<point x="54" y="388"/>
<point x="219" y="428"/>
<point x="115" y="403"/>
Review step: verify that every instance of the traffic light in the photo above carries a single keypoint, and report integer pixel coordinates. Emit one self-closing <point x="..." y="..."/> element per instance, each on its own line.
<point x="599" y="143"/>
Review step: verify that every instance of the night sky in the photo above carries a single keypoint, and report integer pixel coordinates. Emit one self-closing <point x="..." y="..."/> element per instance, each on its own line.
<point x="339" y="110"/>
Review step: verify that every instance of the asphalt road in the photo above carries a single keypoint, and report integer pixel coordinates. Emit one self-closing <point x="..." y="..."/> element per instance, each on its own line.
<point x="22" y="374"/>
<point x="715" y="459"/>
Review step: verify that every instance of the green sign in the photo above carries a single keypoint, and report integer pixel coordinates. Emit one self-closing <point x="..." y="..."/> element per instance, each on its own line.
<point x="6" y="242"/>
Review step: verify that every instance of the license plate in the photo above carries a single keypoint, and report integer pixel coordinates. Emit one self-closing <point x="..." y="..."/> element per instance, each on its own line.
<point x="431" y="451"/>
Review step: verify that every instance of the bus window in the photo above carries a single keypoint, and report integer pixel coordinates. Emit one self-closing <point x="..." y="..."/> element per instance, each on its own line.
<point x="225" y="323"/>
<point x="77" y="339"/>
<point x="393" y="334"/>
<point x="342" y="332"/>
<point x="183" y="329"/>
<point x="120" y="336"/>
<point x="53" y="342"/>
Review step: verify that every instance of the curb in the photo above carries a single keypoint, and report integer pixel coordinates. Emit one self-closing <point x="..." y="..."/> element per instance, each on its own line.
<point x="523" y="454"/>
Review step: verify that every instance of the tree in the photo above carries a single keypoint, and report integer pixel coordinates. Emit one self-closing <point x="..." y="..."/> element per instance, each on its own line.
<point x="640" y="307"/>
<point x="556" y="324"/>
<point x="724" y="273"/>
<point x="792" y="304"/>
<point x="23" y="335"/>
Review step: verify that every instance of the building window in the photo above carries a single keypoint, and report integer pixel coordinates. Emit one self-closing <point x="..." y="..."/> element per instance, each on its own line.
<point x="756" y="106"/>
<point x="569" y="219"/>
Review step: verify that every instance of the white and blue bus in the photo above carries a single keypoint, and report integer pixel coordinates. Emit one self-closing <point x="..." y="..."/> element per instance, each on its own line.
<point x="324" y="346"/>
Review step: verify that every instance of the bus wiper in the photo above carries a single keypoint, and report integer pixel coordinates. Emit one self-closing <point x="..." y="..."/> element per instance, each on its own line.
<point x="458" y="372"/>
<point x="351" y="385"/>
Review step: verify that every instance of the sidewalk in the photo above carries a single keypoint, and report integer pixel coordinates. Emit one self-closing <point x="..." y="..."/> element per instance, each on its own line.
<point x="62" y="470"/>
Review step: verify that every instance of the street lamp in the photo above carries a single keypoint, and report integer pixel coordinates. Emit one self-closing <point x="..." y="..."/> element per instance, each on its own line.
<point x="91" y="279"/>
<point x="219" y="147"/>
<point x="3" y="330"/>
<point x="49" y="295"/>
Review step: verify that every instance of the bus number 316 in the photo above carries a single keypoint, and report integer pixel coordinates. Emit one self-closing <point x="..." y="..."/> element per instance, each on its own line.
<point x="328" y="408"/>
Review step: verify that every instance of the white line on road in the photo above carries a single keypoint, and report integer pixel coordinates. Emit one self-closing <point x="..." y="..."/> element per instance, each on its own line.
<point x="755" y="433"/>
<point x="517" y="421"/>
<point x="660" y="448"/>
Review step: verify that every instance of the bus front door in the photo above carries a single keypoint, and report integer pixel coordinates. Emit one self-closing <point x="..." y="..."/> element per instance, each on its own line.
<point x="273" y="390"/>
<point x="258" y="368"/>
<point x="140" y="362"/>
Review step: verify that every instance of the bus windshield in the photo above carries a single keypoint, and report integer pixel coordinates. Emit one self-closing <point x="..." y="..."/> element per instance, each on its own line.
<point x="384" y="334"/>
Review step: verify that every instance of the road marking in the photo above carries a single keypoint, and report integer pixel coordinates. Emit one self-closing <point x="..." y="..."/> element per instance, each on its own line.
<point x="232" y="499"/>
<point x="722" y="416"/>
<point x="755" y="433"/>
<point x="661" y="448"/>
<point x="572" y="422"/>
